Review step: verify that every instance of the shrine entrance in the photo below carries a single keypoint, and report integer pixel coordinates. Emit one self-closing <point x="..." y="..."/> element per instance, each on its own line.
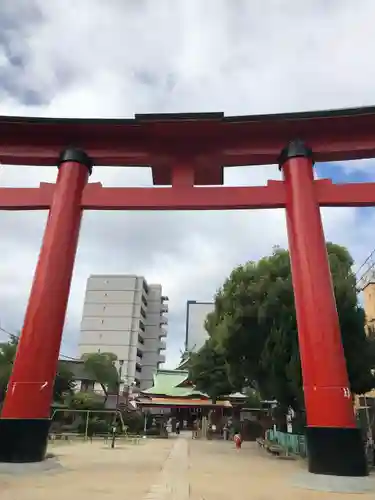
<point x="187" y="153"/>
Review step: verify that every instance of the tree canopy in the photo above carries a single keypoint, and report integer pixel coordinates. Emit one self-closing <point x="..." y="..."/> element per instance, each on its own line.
<point x="210" y="370"/>
<point x="102" y="367"/>
<point x="85" y="401"/>
<point x="63" y="381"/>
<point x="252" y="331"/>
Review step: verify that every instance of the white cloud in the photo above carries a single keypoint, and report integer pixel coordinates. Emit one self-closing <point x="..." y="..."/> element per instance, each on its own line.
<point x="117" y="58"/>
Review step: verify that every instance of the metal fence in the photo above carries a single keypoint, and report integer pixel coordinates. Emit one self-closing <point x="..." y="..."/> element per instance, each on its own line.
<point x="293" y="443"/>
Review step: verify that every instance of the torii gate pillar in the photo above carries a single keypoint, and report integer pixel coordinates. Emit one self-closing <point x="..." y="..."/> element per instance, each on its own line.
<point x="25" y="416"/>
<point x="333" y="440"/>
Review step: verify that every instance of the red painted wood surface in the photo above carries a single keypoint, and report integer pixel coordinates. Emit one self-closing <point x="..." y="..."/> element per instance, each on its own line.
<point x="212" y="140"/>
<point x="30" y="387"/>
<point x="96" y="197"/>
<point x="325" y="378"/>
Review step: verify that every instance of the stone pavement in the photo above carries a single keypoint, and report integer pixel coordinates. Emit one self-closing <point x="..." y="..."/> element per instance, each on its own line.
<point x="173" y="469"/>
<point x="219" y="472"/>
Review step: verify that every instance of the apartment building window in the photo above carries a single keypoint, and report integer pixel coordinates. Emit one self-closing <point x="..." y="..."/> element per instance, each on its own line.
<point x="142" y="326"/>
<point x="139" y="353"/>
<point x="138" y="368"/>
<point x="141" y="340"/>
<point x="143" y="313"/>
<point x="144" y="300"/>
<point x="145" y="287"/>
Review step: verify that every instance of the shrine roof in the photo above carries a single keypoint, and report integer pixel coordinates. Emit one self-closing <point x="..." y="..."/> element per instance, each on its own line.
<point x="172" y="383"/>
<point x="212" y="116"/>
<point x="207" y="141"/>
<point x="187" y="402"/>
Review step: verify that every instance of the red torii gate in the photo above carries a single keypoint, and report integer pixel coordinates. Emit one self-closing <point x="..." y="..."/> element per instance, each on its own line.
<point x="187" y="150"/>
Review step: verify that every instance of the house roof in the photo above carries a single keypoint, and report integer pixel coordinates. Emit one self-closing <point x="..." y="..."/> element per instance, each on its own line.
<point x="77" y="368"/>
<point x="236" y="395"/>
<point x="184" y="363"/>
<point x="172" y="383"/>
<point x="190" y="402"/>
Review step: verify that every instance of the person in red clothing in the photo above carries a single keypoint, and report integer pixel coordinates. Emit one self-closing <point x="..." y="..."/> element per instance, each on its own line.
<point x="237" y="438"/>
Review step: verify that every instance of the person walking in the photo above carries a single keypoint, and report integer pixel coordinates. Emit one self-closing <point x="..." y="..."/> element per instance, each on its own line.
<point x="226" y="432"/>
<point x="195" y="429"/>
<point x="237" y="438"/>
<point x="178" y="427"/>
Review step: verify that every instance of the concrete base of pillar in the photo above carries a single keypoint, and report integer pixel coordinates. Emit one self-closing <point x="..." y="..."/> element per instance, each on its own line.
<point x="336" y="451"/>
<point x="23" y="440"/>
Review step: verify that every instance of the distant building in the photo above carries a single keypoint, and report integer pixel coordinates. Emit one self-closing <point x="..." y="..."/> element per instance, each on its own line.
<point x="196" y="314"/>
<point x="173" y="394"/>
<point x="366" y="401"/>
<point x="369" y="304"/>
<point x="124" y="315"/>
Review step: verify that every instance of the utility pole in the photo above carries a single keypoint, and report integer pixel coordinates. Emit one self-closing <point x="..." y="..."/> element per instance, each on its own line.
<point x="121" y="364"/>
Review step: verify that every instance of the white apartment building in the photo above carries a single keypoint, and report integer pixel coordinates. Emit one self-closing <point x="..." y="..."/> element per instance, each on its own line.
<point x="124" y="315"/>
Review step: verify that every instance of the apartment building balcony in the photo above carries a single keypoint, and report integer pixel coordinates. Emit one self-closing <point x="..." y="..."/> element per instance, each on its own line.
<point x="161" y="358"/>
<point x="138" y="360"/>
<point x="164" y="298"/>
<point x="164" y="308"/>
<point x="162" y="345"/>
<point x="163" y="320"/>
<point x="144" y="299"/>
<point x="141" y="342"/>
<point x="163" y="333"/>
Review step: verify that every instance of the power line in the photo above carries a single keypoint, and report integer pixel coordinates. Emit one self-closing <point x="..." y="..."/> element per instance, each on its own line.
<point x="16" y="336"/>
<point x="368" y="272"/>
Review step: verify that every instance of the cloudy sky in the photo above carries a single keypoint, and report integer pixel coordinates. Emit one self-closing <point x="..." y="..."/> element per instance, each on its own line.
<point x="91" y="58"/>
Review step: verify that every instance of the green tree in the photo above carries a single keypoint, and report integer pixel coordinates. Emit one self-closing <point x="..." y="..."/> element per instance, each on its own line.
<point x="254" y="328"/>
<point x="7" y="355"/>
<point x="85" y="401"/>
<point x="63" y="381"/>
<point x="102" y="367"/>
<point x="209" y="370"/>
<point x="253" y="398"/>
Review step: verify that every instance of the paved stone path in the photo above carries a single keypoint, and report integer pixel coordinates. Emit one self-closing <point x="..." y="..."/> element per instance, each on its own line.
<point x="173" y="469"/>
<point x="172" y="482"/>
